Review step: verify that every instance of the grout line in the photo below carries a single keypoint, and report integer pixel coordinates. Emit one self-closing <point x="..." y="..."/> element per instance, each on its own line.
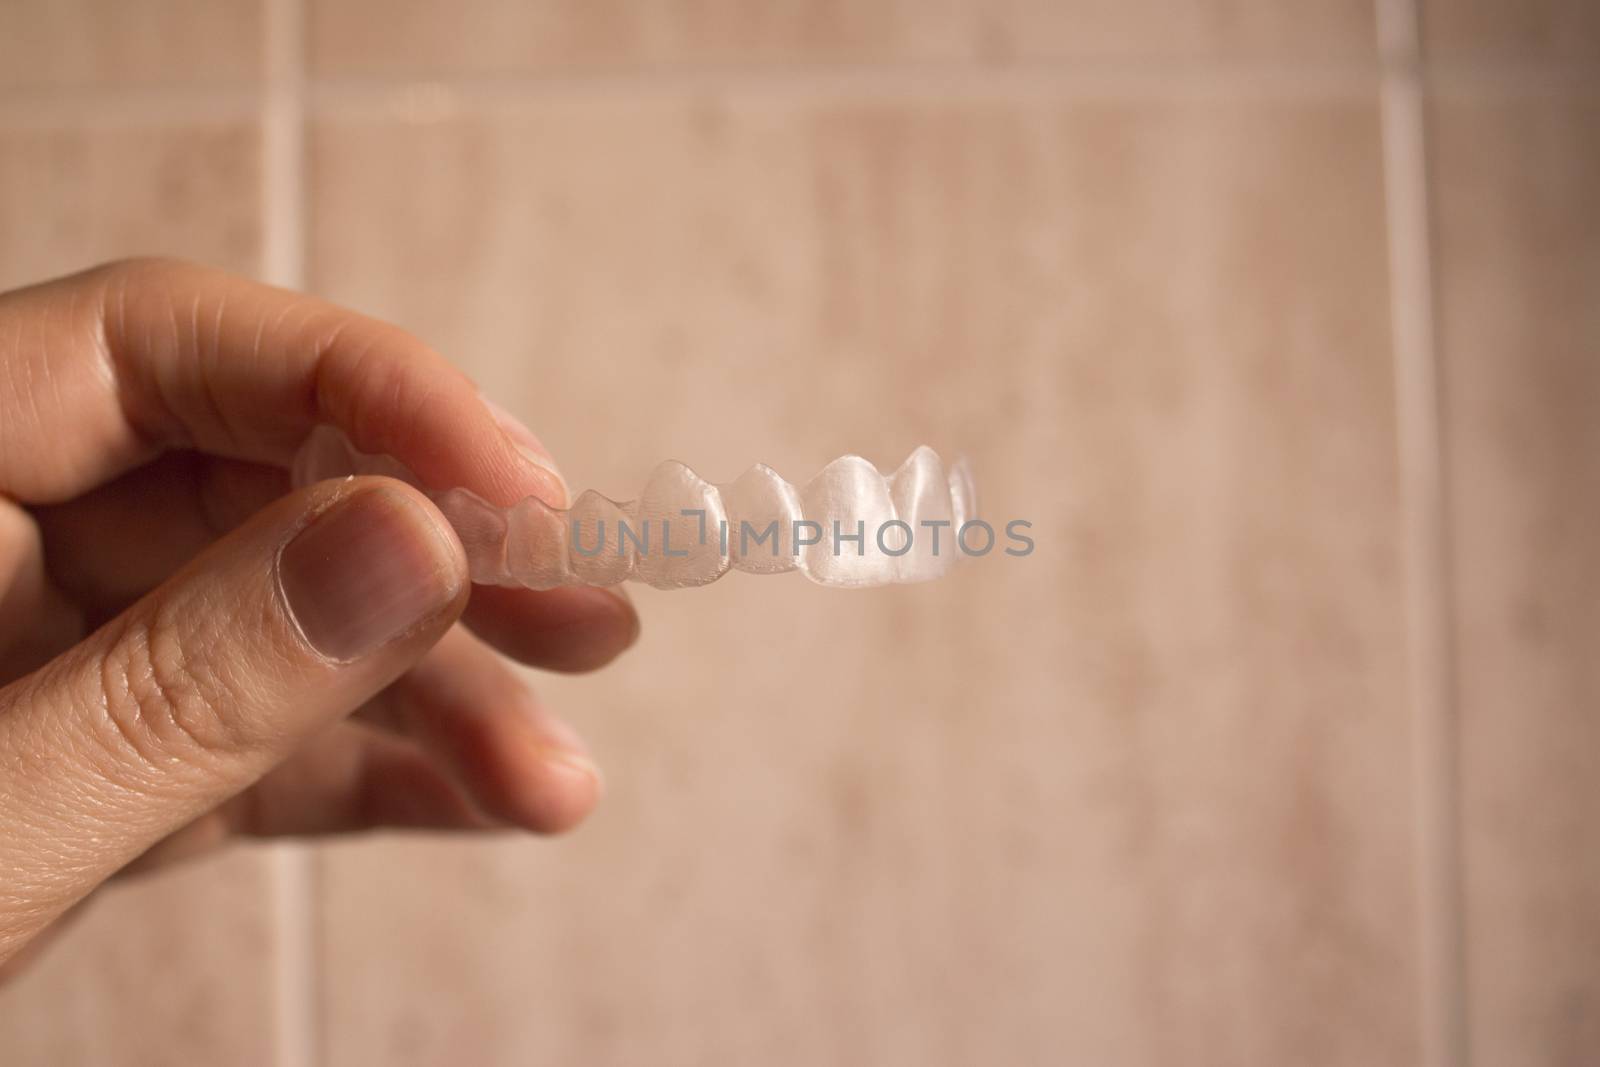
<point x="1504" y="80"/>
<point x="1424" y="534"/>
<point x="424" y="99"/>
<point x="295" y="983"/>
<point x="1178" y="77"/>
<point x="428" y="94"/>
<point x="1066" y="71"/>
<point x="97" y="108"/>
<point x="283" y="148"/>
<point x="427" y="99"/>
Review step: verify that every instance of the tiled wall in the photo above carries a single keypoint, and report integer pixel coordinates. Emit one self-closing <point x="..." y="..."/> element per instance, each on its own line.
<point x="1281" y="324"/>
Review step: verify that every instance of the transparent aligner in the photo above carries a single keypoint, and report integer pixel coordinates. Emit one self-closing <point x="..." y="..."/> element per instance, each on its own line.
<point x="849" y="526"/>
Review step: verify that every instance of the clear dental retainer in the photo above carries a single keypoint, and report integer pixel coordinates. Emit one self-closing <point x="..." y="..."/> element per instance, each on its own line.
<point x="850" y="526"/>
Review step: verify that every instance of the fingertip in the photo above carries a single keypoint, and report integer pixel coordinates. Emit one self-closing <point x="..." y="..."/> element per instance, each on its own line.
<point x="523" y="766"/>
<point x="527" y="768"/>
<point x="549" y="783"/>
<point x="547" y="481"/>
<point x="562" y="790"/>
<point x="574" y="629"/>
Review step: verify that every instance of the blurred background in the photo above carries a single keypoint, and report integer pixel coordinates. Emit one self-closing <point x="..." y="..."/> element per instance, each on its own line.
<point x="1281" y="323"/>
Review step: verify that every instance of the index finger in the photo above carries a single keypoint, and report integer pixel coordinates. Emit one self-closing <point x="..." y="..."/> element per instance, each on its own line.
<point x="100" y="371"/>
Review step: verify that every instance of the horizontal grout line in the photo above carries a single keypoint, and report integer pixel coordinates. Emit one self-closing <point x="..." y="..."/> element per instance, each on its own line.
<point x="429" y="98"/>
<point x="976" y="84"/>
<point x="94" y="108"/>
<point x="430" y="101"/>
<point x="1066" y="73"/>
<point x="1512" y="80"/>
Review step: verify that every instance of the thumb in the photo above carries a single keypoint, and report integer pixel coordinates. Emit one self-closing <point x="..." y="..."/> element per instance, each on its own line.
<point x="293" y="620"/>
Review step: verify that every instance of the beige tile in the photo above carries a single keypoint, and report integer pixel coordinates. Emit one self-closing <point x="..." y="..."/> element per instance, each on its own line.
<point x="176" y="968"/>
<point x="85" y="44"/>
<point x="1518" y="251"/>
<point x="364" y="37"/>
<point x="1157" y="29"/>
<point x="1140" y="798"/>
<point x="357" y="37"/>
<point x="1511" y="29"/>
<point x="76" y="194"/>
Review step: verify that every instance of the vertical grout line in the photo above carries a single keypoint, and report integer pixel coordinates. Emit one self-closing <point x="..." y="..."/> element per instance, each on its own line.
<point x="1425" y="544"/>
<point x="283" y="145"/>
<point x="295" y="985"/>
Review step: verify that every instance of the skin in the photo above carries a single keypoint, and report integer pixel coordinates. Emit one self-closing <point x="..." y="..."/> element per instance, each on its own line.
<point x="154" y="702"/>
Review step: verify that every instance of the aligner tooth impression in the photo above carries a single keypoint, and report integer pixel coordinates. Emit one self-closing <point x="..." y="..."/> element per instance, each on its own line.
<point x="850" y="526"/>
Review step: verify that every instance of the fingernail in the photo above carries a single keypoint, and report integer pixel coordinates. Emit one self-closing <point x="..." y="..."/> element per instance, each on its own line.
<point x="539" y="459"/>
<point x="559" y="745"/>
<point x="573" y="763"/>
<point x="556" y="734"/>
<point x="531" y="448"/>
<point x="365" y="571"/>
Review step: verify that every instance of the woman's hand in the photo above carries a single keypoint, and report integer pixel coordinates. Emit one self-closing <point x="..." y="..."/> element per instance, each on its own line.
<point x="183" y="640"/>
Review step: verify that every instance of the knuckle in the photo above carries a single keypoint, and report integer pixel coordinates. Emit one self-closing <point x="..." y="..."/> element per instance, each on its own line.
<point x="163" y="698"/>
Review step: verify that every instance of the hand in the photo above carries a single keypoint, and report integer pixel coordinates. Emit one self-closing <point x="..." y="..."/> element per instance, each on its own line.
<point x="190" y="651"/>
